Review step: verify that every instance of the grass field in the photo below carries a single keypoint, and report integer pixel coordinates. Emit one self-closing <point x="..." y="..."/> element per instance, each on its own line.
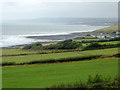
<point x="110" y="42"/>
<point x="108" y="29"/>
<point x="42" y="57"/>
<point x="16" y="51"/>
<point x="20" y="51"/>
<point x="41" y="76"/>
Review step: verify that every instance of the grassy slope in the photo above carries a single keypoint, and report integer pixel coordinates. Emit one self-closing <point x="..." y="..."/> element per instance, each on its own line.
<point x="27" y="58"/>
<point x="40" y="76"/>
<point x="107" y="30"/>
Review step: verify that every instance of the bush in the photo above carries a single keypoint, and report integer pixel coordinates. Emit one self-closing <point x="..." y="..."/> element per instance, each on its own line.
<point x="8" y="63"/>
<point x="97" y="82"/>
<point x="67" y="44"/>
<point x="96" y="45"/>
<point x="93" y="45"/>
<point x="27" y="47"/>
<point x="117" y="55"/>
<point x="33" y="46"/>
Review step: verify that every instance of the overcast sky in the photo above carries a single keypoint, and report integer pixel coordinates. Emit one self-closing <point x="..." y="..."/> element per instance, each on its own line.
<point x="29" y="9"/>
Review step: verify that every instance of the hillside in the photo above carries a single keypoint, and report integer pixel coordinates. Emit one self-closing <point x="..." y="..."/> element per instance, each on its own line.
<point x="109" y="30"/>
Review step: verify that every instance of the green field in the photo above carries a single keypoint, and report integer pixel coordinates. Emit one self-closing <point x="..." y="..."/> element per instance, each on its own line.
<point x="110" y="42"/>
<point x="109" y="30"/>
<point x="46" y="75"/>
<point x="20" y="51"/>
<point x="40" y="76"/>
<point x="16" y="51"/>
<point x="42" y="57"/>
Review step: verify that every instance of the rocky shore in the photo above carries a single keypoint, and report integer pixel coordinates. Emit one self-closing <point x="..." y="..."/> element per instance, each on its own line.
<point x="52" y="38"/>
<point x="61" y="37"/>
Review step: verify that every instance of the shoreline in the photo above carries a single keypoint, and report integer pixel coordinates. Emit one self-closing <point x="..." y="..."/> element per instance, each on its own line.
<point x="60" y="37"/>
<point x="55" y="38"/>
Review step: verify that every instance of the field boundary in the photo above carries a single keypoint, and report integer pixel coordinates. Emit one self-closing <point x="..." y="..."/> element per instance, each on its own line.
<point x="101" y="58"/>
<point x="62" y="60"/>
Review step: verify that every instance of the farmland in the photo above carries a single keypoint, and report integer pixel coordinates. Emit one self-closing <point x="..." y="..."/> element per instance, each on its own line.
<point x="45" y="68"/>
<point x="16" y="51"/>
<point x="107" y="43"/>
<point x="42" y="76"/>
<point x="28" y="58"/>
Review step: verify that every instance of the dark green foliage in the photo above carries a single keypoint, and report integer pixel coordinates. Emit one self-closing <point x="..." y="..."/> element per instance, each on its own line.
<point x="97" y="82"/>
<point x="93" y="45"/>
<point x="33" y="46"/>
<point x="8" y="63"/>
<point x="67" y="44"/>
<point x="27" y="47"/>
<point x="70" y="44"/>
<point x="96" y="45"/>
<point x="117" y="55"/>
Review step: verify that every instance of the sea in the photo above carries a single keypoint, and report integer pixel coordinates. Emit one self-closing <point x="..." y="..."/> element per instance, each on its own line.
<point x="16" y="32"/>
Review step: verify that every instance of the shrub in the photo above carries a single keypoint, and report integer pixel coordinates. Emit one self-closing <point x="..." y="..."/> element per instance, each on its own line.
<point x="97" y="82"/>
<point x="8" y="63"/>
<point x="67" y="44"/>
<point x="96" y="45"/>
<point x="27" y="47"/>
<point x="33" y="46"/>
<point x="93" y="45"/>
<point x="117" y="55"/>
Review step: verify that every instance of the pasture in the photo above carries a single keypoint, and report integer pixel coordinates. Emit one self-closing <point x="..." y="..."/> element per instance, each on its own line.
<point x="42" y="76"/>
<point x="107" y="43"/>
<point x="43" y="57"/>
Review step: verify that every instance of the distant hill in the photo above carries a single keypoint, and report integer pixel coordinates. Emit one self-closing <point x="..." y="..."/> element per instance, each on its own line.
<point x="109" y="30"/>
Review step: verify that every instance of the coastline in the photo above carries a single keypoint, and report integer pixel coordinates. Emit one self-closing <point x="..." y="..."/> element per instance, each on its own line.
<point x="60" y="37"/>
<point x="51" y="38"/>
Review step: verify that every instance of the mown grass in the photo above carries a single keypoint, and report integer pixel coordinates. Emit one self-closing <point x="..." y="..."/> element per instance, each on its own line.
<point x="43" y="57"/>
<point x="42" y="76"/>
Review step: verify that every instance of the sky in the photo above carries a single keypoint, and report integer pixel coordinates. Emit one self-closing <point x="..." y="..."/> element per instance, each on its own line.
<point x="30" y="9"/>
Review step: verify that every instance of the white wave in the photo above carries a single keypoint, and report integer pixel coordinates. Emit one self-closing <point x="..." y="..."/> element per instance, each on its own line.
<point x="11" y="40"/>
<point x="50" y="34"/>
<point x="45" y="34"/>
